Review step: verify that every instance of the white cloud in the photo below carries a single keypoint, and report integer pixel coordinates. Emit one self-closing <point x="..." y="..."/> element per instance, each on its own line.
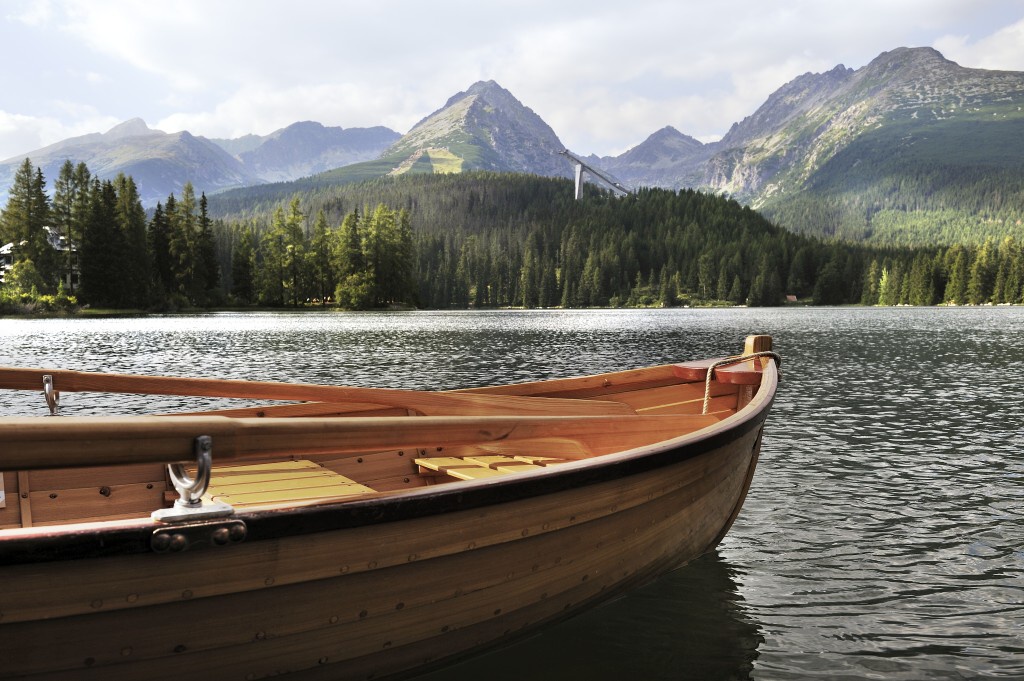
<point x="21" y="134"/>
<point x="33" y="13"/>
<point x="604" y="76"/>
<point x="262" y="110"/>
<point x="1003" y="50"/>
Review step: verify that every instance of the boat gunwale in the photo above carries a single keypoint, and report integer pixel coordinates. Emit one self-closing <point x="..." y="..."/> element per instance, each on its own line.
<point x="115" y="538"/>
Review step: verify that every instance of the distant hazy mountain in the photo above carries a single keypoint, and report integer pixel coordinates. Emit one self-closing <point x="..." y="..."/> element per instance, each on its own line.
<point x="306" y="148"/>
<point x="668" y="158"/>
<point x="159" y="162"/>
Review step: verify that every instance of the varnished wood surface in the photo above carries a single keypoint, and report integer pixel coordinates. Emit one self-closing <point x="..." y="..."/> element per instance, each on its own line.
<point x="425" y="402"/>
<point x="524" y="563"/>
<point x="378" y="598"/>
<point x="79" y="441"/>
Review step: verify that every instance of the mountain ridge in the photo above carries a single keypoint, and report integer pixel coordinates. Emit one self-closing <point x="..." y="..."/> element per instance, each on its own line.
<point x="829" y="153"/>
<point x="161" y="163"/>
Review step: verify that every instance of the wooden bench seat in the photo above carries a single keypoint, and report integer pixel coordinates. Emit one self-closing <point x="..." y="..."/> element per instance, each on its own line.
<point x="281" y="482"/>
<point x="481" y="466"/>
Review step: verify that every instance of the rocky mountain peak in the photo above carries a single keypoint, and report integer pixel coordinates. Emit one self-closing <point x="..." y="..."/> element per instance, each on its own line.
<point x="484" y="128"/>
<point x="794" y="99"/>
<point x="134" y="127"/>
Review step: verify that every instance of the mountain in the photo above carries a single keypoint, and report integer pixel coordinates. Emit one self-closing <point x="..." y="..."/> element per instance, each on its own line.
<point x="483" y="128"/>
<point x="911" y="148"/>
<point x="668" y="158"/>
<point x="159" y="162"/>
<point x="307" y="148"/>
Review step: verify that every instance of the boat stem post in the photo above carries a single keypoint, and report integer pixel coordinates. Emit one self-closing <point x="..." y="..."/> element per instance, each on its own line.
<point x="752" y="345"/>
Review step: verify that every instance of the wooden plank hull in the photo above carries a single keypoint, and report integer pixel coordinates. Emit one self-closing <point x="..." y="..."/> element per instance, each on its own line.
<point x="376" y="587"/>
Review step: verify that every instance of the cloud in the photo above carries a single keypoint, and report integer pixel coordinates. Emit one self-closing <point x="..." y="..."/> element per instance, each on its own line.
<point x="35" y="13"/>
<point x="20" y="134"/>
<point x="1002" y="50"/>
<point x="261" y="110"/>
<point x="604" y="77"/>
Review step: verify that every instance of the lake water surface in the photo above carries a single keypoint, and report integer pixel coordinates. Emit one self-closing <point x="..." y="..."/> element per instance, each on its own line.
<point x="883" y="536"/>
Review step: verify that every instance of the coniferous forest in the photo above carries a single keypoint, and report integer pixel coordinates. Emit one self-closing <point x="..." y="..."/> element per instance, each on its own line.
<point x="444" y="241"/>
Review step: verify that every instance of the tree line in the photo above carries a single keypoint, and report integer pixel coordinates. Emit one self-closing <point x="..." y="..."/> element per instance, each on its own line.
<point x="471" y="240"/>
<point x="94" y="241"/>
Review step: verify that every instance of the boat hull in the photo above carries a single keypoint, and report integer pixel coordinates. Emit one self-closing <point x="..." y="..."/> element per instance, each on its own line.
<point x="384" y="587"/>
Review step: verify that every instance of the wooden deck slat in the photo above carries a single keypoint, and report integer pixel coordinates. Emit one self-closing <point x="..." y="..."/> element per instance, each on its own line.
<point x="516" y="467"/>
<point x="490" y="461"/>
<point x="473" y="473"/>
<point x="279" y="482"/>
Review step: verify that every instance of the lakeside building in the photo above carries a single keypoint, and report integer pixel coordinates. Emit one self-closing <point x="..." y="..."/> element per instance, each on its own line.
<point x="59" y="243"/>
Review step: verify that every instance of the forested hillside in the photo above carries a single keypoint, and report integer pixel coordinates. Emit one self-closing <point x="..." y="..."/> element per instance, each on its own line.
<point x="946" y="182"/>
<point x="499" y="240"/>
<point x="469" y="240"/>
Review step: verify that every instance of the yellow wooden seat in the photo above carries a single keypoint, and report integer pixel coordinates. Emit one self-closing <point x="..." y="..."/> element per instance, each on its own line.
<point x="491" y="460"/>
<point x="279" y="483"/>
<point x="473" y="467"/>
<point x="473" y="472"/>
<point x="516" y="467"/>
<point x="440" y="465"/>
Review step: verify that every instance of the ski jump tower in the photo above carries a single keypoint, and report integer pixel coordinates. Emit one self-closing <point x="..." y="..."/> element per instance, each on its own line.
<point x="582" y="165"/>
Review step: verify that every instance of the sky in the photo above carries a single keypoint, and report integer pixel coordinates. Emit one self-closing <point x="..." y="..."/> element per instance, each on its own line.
<point x="603" y="74"/>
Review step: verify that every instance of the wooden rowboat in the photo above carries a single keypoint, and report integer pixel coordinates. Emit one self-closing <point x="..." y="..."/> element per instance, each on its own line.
<point x="358" y="533"/>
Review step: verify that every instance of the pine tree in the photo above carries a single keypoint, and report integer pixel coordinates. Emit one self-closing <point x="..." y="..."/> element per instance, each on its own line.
<point x="134" y="274"/>
<point x="828" y="289"/>
<point x="321" y="266"/>
<point x="295" y="253"/>
<point x="736" y="296"/>
<point x="272" y="273"/>
<point x="102" y="248"/>
<point x="159" y="239"/>
<point x="982" y="277"/>
<point x="529" y="279"/>
<point x="349" y="247"/>
<point x="869" y="292"/>
<point x="243" y="260"/>
<point x="67" y="214"/>
<point x="25" y="221"/>
<point x="184" y="246"/>
<point x="956" y="284"/>
<point x="208" y="285"/>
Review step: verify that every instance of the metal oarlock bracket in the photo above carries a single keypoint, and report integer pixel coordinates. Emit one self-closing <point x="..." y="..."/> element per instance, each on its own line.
<point x="190" y="505"/>
<point x="52" y="396"/>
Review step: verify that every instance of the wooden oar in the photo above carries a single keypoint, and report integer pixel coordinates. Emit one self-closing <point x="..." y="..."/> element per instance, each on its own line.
<point x="425" y="402"/>
<point x="38" y="443"/>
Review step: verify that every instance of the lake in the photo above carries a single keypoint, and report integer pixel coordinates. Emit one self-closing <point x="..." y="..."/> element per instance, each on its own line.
<point x="883" y="536"/>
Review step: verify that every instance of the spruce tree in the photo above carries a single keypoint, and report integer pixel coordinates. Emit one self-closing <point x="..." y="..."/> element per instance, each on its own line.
<point x="135" y="274"/>
<point x="243" y="260"/>
<point x="159" y="238"/>
<point x="208" y="284"/>
<point x="24" y="221"/>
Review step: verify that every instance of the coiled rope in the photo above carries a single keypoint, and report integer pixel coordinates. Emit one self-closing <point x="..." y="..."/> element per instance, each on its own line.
<point x="734" y="360"/>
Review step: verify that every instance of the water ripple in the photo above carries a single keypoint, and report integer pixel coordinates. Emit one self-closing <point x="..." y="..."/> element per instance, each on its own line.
<point x="883" y="536"/>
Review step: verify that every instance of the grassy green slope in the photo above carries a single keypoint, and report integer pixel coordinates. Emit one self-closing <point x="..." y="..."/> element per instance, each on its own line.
<point x="912" y="182"/>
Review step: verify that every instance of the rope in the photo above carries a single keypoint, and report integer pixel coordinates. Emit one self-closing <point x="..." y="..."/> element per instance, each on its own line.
<point x="733" y="360"/>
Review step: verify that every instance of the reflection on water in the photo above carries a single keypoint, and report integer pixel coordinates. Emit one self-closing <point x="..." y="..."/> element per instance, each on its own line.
<point x="883" y="536"/>
<point x="691" y="624"/>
